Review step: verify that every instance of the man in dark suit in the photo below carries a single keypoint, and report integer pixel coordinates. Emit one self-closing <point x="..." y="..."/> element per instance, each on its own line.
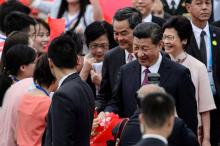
<point x="216" y="23"/>
<point x="156" y="119"/>
<point x="174" y="78"/>
<point x="181" y="135"/>
<point x="144" y="7"/>
<point x="204" y="46"/>
<point x="70" y="116"/>
<point x="124" y="21"/>
<point x="174" y="7"/>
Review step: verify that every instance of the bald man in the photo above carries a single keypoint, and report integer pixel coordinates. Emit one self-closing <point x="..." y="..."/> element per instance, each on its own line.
<point x="180" y="136"/>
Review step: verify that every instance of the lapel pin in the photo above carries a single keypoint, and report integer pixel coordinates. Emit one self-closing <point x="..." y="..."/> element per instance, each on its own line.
<point x="214" y="43"/>
<point x="214" y="35"/>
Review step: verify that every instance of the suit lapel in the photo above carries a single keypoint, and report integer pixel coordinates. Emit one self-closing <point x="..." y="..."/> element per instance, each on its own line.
<point x="137" y="74"/>
<point x="181" y="4"/>
<point x="133" y="79"/>
<point x="165" y="4"/>
<point x="164" y="70"/>
<point x="134" y="74"/>
<point x="121" y="56"/>
<point x="194" y="49"/>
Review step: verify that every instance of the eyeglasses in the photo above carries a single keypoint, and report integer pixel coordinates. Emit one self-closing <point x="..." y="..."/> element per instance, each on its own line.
<point x="168" y="37"/>
<point x="94" y="46"/>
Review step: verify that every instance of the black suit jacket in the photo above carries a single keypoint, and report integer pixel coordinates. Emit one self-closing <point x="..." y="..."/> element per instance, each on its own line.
<point x="194" y="51"/>
<point x="113" y="60"/>
<point x="151" y="142"/>
<point x="158" y="20"/>
<point x="180" y="136"/>
<point x="174" y="77"/>
<point x="70" y="116"/>
<point x="216" y="23"/>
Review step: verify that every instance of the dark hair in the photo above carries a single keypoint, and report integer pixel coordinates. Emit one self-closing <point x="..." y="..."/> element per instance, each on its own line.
<point x="17" y="21"/>
<point x="157" y="108"/>
<point x="188" y="1"/>
<point x="43" y="23"/>
<point x="63" y="52"/>
<point x="77" y="39"/>
<point x="15" y="57"/>
<point x="97" y="29"/>
<point x="16" y="37"/>
<point x="64" y="6"/>
<point x="149" y="30"/>
<point x="133" y="16"/>
<point x="42" y="74"/>
<point x="182" y="26"/>
<point x="8" y="7"/>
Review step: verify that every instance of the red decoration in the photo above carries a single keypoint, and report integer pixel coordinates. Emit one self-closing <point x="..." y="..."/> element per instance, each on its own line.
<point x="109" y="7"/>
<point x="2" y="1"/>
<point x="57" y="26"/>
<point x="104" y="130"/>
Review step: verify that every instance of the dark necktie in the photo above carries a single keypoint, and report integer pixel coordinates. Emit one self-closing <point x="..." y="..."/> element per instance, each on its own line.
<point x="203" y="47"/>
<point x="173" y="3"/>
<point x="145" y="81"/>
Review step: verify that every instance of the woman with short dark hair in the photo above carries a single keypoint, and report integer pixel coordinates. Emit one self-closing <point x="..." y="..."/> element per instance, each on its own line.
<point x="99" y="39"/>
<point x="176" y="38"/>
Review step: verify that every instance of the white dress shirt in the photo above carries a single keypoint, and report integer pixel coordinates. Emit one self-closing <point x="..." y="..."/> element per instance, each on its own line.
<point x="153" y="68"/>
<point x="197" y="31"/>
<point x="156" y="137"/>
<point x="148" y="18"/>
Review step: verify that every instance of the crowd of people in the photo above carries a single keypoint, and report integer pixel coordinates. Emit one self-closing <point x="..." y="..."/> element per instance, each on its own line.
<point x="156" y="66"/>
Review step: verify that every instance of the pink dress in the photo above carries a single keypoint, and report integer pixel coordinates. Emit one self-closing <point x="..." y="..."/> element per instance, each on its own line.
<point x="31" y="120"/>
<point x="9" y="110"/>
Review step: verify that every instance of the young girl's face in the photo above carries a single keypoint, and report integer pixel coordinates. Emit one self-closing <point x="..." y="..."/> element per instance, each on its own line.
<point x="42" y="38"/>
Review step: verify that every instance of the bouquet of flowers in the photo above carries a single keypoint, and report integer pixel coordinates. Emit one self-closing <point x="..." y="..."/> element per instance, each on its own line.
<point x="103" y="132"/>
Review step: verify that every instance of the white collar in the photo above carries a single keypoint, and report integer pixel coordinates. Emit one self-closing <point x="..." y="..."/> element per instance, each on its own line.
<point x="155" y="136"/>
<point x="197" y="31"/>
<point x="63" y="78"/>
<point x="126" y="56"/>
<point x="155" y="67"/>
<point x="148" y="18"/>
